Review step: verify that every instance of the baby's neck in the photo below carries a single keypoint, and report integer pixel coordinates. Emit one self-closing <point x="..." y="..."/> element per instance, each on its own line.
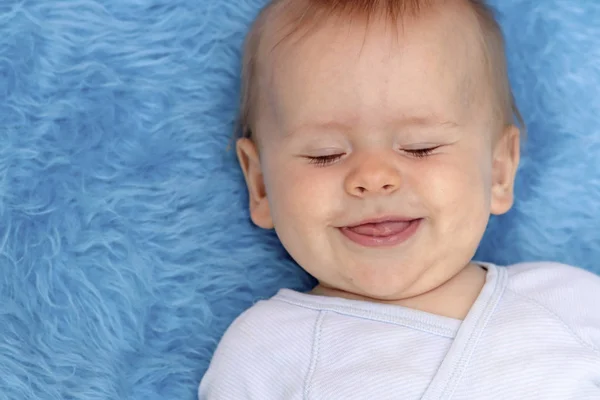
<point x="453" y="299"/>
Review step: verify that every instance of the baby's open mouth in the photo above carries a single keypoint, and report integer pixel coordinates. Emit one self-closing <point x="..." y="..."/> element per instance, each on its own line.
<point x="383" y="232"/>
<point x="380" y="229"/>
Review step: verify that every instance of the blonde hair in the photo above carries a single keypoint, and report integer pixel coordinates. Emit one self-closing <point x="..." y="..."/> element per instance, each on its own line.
<point x="299" y="13"/>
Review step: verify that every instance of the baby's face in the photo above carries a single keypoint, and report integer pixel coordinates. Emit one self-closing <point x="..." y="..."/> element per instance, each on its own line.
<point x="387" y="128"/>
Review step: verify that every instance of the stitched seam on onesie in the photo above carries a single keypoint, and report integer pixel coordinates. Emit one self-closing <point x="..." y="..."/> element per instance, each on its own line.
<point x="352" y="312"/>
<point x="314" y="354"/>
<point x="473" y="341"/>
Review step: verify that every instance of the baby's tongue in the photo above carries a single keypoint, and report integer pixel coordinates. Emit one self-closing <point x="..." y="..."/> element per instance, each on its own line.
<point x="380" y="229"/>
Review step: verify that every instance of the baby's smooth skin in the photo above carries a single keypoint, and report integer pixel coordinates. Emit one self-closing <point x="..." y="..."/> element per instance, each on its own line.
<point x="392" y="123"/>
<point x="377" y="146"/>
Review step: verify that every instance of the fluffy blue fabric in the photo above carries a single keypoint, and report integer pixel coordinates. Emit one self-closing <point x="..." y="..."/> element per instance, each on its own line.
<point x="125" y="244"/>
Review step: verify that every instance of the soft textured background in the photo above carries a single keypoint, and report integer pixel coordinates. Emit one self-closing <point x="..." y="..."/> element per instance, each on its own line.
<point x="125" y="245"/>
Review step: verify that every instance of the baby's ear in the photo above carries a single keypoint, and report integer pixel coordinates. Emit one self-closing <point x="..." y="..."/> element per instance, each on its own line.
<point x="505" y="163"/>
<point x="250" y="163"/>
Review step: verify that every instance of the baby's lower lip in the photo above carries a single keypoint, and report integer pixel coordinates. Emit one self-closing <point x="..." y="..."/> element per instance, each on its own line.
<point x="381" y="235"/>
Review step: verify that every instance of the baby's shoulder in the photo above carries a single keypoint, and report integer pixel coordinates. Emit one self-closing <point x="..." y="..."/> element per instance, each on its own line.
<point x="544" y="278"/>
<point x="564" y="292"/>
<point x="263" y="353"/>
<point x="269" y="320"/>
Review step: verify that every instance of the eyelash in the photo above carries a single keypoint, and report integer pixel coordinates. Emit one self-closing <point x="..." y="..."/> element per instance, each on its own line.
<point x="323" y="161"/>
<point x="421" y="153"/>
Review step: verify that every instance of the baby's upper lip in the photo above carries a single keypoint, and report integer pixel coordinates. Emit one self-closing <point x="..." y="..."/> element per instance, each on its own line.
<point x="378" y="220"/>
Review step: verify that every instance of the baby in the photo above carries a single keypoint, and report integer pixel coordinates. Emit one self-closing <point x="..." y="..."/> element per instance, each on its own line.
<point x="378" y="138"/>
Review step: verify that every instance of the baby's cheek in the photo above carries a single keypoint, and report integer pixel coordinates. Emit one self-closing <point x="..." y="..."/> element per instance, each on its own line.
<point x="298" y="193"/>
<point x="456" y="196"/>
<point x="311" y="195"/>
<point x="446" y="186"/>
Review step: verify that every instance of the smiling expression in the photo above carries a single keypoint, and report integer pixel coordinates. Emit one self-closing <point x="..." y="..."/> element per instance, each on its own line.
<point x="377" y="160"/>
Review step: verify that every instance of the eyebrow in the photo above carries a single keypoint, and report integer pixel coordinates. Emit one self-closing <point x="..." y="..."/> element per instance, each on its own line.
<point x="426" y="120"/>
<point x="333" y="125"/>
<point x="430" y="120"/>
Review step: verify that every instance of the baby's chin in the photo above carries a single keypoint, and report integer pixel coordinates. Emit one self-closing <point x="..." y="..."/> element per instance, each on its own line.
<point x="449" y="296"/>
<point x="379" y="292"/>
<point x="387" y="283"/>
<point x="383" y="281"/>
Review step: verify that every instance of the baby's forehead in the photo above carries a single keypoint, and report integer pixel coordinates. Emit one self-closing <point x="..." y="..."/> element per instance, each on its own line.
<point x="450" y="32"/>
<point x="470" y="33"/>
<point x="334" y="49"/>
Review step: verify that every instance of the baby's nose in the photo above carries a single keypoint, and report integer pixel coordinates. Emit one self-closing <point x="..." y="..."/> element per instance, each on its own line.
<point x="373" y="177"/>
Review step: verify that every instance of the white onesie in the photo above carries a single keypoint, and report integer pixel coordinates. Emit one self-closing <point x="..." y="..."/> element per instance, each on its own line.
<point x="533" y="333"/>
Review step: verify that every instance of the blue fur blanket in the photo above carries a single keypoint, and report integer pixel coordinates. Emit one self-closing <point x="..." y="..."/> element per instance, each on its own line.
<point x="125" y="244"/>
